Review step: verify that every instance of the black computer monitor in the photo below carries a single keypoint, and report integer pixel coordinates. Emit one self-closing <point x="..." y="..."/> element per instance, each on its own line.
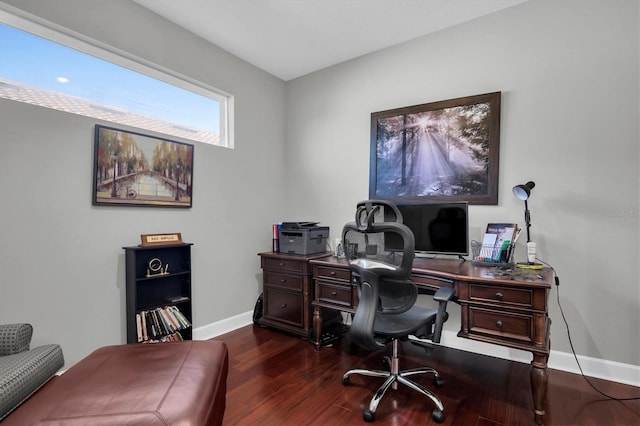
<point x="438" y="228"/>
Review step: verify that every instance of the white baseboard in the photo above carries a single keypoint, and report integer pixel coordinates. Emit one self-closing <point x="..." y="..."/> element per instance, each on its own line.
<point x="593" y="367"/>
<point x="614" y="371"/>
<point x="226" y="325"/>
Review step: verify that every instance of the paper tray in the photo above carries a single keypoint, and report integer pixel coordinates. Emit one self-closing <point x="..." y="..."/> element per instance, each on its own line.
<point x="491" y="256"/>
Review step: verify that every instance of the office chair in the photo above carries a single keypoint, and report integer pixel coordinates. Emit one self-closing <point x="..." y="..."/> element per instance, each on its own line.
<point x="380" y="253"/>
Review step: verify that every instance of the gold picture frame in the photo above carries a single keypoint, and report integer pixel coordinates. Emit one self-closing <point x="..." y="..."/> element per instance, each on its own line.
<point x="132" y="169"/>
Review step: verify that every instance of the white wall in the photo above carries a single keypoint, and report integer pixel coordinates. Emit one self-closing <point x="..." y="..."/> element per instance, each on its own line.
<point x="61" y="259"/>
<point x="568" y="71"/>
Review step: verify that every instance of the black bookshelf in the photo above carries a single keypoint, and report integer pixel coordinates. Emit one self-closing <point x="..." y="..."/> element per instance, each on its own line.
<point x="158" y="293"/>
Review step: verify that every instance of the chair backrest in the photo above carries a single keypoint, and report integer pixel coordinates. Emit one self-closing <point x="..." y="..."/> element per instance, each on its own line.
<point x="380" y="252"/>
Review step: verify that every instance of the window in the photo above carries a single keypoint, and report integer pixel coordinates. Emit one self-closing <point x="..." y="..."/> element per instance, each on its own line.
<point x="50" y="69"/>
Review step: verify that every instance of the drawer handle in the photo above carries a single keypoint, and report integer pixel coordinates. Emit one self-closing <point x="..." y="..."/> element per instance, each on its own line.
<point x="281" y="264"/>
<point x="499" y="296"/>
<point x="334" y="293"/>
<point x="284" y="305"/>
<point x="332" y="273"/>
<point x="499" y="324"/>
<point x="282" y="281"/>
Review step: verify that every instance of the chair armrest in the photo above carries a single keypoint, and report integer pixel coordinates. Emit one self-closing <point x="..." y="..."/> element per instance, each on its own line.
<point x="15" y="338"/>
<point x="442" y="296"/>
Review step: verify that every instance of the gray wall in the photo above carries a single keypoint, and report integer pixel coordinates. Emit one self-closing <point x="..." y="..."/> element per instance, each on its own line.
<point x="568" y="71"/>
<point x="61" y="259"/>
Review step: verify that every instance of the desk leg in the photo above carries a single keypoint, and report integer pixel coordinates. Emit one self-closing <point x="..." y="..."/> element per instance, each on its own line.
<point x="317" y="325"/>
<point x="539" y="381"/>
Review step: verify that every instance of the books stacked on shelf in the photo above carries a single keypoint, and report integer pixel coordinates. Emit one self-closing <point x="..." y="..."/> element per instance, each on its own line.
<point x="497" y="244"/>
<point x="159" y="323"/>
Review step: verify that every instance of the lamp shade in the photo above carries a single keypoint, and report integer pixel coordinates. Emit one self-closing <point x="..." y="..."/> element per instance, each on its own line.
<point x="523" y="191"/>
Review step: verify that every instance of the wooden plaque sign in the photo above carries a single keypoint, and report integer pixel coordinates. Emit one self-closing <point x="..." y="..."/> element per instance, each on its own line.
<point x="160" y="239"/>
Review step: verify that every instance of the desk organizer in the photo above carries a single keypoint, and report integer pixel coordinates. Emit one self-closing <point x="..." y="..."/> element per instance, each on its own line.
<point x="491" y="255"/>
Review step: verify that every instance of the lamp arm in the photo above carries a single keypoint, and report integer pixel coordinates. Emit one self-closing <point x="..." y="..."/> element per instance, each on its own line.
<point x="527" y="219"/>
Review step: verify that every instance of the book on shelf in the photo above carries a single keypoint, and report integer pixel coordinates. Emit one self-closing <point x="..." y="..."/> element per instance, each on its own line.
<point x="156" y="323"/>
<point x="177" y="299"/>
<point x="145" y="335"/>
<point x="173" y="325"/>
<point x="139" y="327"/>
<point x="498" y="242"/>
<point x="166" y="329"/>
<point x="152" y="324"/>
<point x="275" y="229"/>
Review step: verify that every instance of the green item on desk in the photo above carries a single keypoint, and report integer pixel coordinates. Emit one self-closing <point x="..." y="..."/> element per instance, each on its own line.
<point x="504" y="251"/>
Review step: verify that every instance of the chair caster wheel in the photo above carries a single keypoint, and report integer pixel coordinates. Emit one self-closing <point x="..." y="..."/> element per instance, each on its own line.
<point x="368" y="416"/>
<point x="346" y="381"/>
<point x="438" y="382"/>
<point x="386" y="361"/>
<point x="437" y="415"/>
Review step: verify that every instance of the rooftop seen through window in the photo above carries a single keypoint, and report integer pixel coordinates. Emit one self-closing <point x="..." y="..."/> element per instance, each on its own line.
<point x="39" y="71"/>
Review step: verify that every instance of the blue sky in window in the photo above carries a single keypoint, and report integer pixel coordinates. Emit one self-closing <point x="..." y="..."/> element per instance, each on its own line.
<point x="38" y="62"/>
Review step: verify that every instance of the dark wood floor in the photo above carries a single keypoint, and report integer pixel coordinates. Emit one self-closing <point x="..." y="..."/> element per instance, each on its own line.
<point x="278" y="379"/>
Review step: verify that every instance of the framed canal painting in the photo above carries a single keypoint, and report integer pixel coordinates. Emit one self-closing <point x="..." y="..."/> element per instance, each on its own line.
<point x="132" y="169"/>
<point x="441" y="151"/>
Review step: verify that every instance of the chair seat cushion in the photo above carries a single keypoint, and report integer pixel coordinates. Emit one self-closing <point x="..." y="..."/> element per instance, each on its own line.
<point x="401" y="325"/>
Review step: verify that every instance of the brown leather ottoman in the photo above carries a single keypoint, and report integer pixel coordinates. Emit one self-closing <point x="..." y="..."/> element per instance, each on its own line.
<point x="175" y="383"/>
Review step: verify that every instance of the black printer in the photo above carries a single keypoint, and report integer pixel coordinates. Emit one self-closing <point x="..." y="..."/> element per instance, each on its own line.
<point x="303" y="238"/>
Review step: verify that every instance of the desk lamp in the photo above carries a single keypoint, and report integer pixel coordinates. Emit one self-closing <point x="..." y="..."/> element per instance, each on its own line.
<point x="523" y="192"/>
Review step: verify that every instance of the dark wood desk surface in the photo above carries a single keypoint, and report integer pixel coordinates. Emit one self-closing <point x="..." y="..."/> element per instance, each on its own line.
<point x="503" y="307"/>
<point x="465" y="270"/>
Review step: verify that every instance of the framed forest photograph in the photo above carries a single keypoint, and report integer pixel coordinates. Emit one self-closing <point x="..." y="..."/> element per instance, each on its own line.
<point x="132" y="169"/>
<point x="440" y="151"/>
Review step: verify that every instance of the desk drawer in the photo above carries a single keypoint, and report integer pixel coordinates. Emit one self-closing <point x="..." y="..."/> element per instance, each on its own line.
<point x="505" y="325"/>
<point x="522" y="298"/>
<point x="340" y="274"/>
<point x="283" y="280"/>
<point x="283" y="264"/>
<point x="336" y="294"/>
<point x="284" y="306"/>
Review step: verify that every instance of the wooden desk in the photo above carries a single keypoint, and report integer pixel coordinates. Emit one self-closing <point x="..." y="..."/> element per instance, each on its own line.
<point x="507" y="310"/>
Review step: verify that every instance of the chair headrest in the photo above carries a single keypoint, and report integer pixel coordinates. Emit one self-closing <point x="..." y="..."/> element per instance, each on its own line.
<point x="369" y="212"/>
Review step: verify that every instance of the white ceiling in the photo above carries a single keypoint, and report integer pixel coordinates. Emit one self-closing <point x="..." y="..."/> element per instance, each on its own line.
<point x="291" y="38"/>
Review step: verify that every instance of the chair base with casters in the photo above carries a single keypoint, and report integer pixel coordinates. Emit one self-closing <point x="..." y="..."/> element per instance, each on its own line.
<point x="393" y="377"/>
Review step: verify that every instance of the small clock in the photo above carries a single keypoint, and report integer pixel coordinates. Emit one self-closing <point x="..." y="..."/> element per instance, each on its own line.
<point x="155" y="267"/>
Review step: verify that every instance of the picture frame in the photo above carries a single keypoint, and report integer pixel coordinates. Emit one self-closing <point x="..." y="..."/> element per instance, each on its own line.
<point x="134" y="169"/>
<point x="440" y="151"/>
